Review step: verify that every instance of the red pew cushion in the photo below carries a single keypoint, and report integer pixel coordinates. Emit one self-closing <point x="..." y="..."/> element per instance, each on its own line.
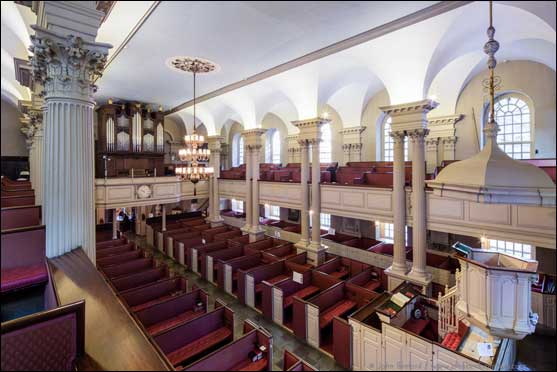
<point x="276" y="279"/>
<point x="302" y="293"/>
<point x="199" y="346"/>
<point x="155" y="301"/>
<point x="340" y="308"/>
<point x="21" y="277"/>
<point x="169" y="323"/>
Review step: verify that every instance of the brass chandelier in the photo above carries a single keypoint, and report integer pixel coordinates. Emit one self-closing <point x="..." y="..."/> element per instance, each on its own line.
<point x="193" y="155"/>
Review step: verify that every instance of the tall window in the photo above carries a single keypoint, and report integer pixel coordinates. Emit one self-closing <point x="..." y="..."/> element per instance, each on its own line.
<point x="325" y="219"/>
<point x="272" y="212"/>
<point x="515" y="249"/>
<point x="386" y="232"/>
<point x="237" y="205"/>
<point x="237" y="150"/>
<point x="325" y="155"/>
<point x="515" y="135"/>
<point x="272" y="147"/>
<point x="388" y="143"/>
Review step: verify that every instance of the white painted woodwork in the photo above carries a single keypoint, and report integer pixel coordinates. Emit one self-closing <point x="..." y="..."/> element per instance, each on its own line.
<point x="278" y="309"/>
<point x="210" y="269"/>
<point x="194" y="261"/>
<point x="394" y="348"/>
<point x="150" y="234"/>
<point x="250" y="291"/>
<point x="181" y="254"/>
<point x="160" y="241"/>
<point x="312" y="325"/>
<point x="356" y="345"/>
<point x="228" y="279"/>
<point x="419" y="353"/>
<point x="170" y="247"/>
<point x="372" y="351"/>
<point x="232" y="189"/>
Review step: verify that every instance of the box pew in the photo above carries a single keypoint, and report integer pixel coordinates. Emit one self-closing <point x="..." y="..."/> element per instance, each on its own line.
<point x="115" y="250"/>
<point x="111" y="243"/>
<point x="210" y="261"/>
<point x="238" y="241"/>
<point x="195" y="254"/>
<point x="280" y="252"/>
<point x="387" y="249"/>
<point x="160" y="236"/>
<point x="228" y="271"/>
<point x="182" y="246"/>
<point x="253" y="282"/>
<point x="142" y="297"/>
<point x="16" y="217"/>
<point x="189" y="341"/>
<point x="338" y="238"/>
<point x="237" y="356"/>
<point x="326" y="315"/>
<point x="168" y="237"/>
<point x="209" y="234"/>
<point x="9" y="185"/>
<point x="20" y="192"/>
<point x="365" y="244"/>
<point x="227" y="235"/>
<point x="173" y="311"/>
<point x="117" y="259"/>
<point x="302" y="286"/>
<point x="23" y="258"/>
<point x="292" y="362"/>
<point x="140" y="279"/>
<point x="17" y="201"/>
<point x="131" y="267"/>
<point x="373" y="279"/>
<point x="342" y="268"/>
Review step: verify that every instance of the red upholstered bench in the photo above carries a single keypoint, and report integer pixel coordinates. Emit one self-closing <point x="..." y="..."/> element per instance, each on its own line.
<point x="340" y="273"/>
<point x="156" y="301"/>
<point x="276" y="279"/>
<point x="169" y="323"/>
<point x="302" y="293"/>
<point x="339" y="309"/>
<point x="22" y="277"/>
<point x="372" y="285"/>
<point x="248" y="365"/>
<point x="199" y="346"/>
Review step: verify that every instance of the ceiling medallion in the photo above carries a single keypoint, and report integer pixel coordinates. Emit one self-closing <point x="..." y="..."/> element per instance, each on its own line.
<point x="192" y="64"/>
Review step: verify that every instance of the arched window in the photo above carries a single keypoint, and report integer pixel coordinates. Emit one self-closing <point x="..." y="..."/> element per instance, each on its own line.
<point x="237" y="150"/>
<point x="276" y="147"/>
<point x="325" y="155"/>
<point x="515" y="134"/>
<point x="388" y="143"/>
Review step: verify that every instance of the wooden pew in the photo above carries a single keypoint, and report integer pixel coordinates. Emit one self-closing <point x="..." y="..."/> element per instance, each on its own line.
<point x="182" y="246"/>
<point x="280" y="252"/>
<point x="342" y="267"/>
<point x="210" y="261"/>
<point x="292" y="362"/>
<point x="130" y="267"/>
<point x="121" y="258"/>
<point x="145" y="296"/>
<point x="372" y="279"/>
<point x="23" y="258"/>
<point x="25" y="216"/>
<point x="115" y="250"/>
<point x="173" y="312"/>
<point x="228" y="271"/>
<point x="169" y="246"/>
<point x="140" y="279"/>
<point x="189" y="341"/>
<point x="111" y="243"/>
<point x="17" y="201"/>
<point x="236" y="355"/>
<point x="365" y="244"/>
<point x="195" y="254"/>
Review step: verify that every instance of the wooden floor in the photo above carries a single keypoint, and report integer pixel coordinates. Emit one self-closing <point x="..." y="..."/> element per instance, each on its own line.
<point x="113" y="341"/>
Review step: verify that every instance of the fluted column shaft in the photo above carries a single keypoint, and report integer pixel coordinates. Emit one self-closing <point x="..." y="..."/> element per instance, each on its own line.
<point x="304" y="215"/>
<point x="215" y="203"/>
<point x="399" y="204"/>
<point x="419" y="227"/>
<point x="315" y="197"/>
<point x="164" y="217"/>
<point x="255" y="152"/>
<point x="249" y="185"/>
<point x="114" y="224"/>
<point x="36" y="165"/>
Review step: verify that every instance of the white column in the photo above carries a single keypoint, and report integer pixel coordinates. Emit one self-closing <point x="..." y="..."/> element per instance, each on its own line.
<point x="37" y="166"/>
<point x="247" y="204"/>
<point x="399" y="205"/>
<point x="114" y="224"/>
<point x="432" y="158"/>
<point x="304" y="212"/>
<point x="315" y="245"/>
<point x="66" y="60"/>
<point x="449" y="146"/>
<point x="419" y="215"/>
<point x="214" y="203"/>
<point x="255" y="153"/>
<point x="143" y="222"/>
<point x="137" y="221"/>
<point x="164" y="217"/>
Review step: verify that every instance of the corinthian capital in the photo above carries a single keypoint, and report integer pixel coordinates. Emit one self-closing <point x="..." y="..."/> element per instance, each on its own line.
<point x="66" y="66"/>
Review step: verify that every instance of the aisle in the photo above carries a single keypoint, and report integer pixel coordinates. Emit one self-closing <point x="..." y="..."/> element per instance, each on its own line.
<point x="281" y="338"/>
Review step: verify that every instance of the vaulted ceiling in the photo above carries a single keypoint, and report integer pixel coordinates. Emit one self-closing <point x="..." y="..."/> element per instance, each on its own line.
<point x="292" y="59"/>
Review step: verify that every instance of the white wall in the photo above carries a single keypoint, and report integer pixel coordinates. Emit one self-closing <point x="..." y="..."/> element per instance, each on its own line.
<point x="533" y="79"/>
<point x="13" y="141"/>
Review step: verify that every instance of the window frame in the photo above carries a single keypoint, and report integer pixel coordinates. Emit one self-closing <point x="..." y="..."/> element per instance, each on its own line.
<point x="386" y="135"/>
<point x="515" y="249"/>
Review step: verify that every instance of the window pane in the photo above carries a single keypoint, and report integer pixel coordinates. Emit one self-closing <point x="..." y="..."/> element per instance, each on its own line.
<point x="513" y="116"/>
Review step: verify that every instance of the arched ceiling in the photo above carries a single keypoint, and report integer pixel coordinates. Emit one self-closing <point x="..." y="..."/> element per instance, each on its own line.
<point x="410" y="49"/>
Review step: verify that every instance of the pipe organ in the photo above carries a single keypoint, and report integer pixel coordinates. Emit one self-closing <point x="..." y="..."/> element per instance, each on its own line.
<point x="131" y="136"/>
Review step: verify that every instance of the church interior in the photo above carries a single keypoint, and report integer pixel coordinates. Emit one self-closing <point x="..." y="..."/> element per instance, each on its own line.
<point x="274" y="185"/>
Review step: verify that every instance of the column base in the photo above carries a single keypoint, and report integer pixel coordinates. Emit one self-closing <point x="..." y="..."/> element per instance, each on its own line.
<point x="302" y="244"/>
<point x="396" y="278"/>
<point x="215" y="222"/>
<point x="256" y="234"/>
<point x="246" y="228"/>
<point x="315" y="251"/>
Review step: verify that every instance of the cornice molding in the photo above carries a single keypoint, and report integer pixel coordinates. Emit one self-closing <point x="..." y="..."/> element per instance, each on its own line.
<point x="420" y="107"/>
<point x="352" y="130"/>
<point x="444" y="120"/>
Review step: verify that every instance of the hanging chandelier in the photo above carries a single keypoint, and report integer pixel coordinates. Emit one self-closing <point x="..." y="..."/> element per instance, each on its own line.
<point x="193" y="156"/>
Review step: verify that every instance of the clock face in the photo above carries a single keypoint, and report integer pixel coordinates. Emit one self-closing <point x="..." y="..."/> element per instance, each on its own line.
<point x="143" y="191"/>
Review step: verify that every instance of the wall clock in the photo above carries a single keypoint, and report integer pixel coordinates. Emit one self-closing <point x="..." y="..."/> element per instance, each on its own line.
<point x="143" y="192"/>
